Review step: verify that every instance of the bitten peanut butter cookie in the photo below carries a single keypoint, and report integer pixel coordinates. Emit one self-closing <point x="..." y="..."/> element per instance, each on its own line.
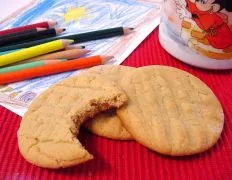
<point x="171" y="111"/>
<point x="48" y="130"/>
<point x="108" y="124"/>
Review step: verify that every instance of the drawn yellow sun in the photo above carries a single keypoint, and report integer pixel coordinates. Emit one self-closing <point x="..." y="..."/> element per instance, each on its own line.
<point x="74" y="14"/>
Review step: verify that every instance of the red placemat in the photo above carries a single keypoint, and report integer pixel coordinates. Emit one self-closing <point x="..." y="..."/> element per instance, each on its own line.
<point x="128" y="159"/>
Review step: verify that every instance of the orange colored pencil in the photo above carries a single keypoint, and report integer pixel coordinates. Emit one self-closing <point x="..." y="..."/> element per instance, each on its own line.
<point x="52" y="69"/>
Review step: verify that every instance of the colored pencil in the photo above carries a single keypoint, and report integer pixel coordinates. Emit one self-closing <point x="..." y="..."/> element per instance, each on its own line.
<point x="47" y="24"/>
<point x="74" y="47"/>
<point x="22" y="32"/>
<point x="101" y="34"/>
<point x="52" y="69"/>
<point x="17" y="33"/>
<point x="30" y="36"/>
<point x="78" y="38"/>
<point x="66" y="48"/>
<point x="28" y="65"/>
<point x="34" y="51"/>
<point x="66" y="54"/>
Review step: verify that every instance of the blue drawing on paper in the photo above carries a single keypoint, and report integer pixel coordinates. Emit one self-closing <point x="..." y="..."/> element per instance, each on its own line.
<point x="84" y="15"/>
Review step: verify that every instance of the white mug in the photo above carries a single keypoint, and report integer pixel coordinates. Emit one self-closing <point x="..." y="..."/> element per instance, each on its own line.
<point x="198" y="32"/>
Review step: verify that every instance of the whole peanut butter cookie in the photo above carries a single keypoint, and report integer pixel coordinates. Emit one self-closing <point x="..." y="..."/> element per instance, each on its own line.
<point x="108" y="124"/>
<point x="48" y="130"/>
<point x="171" y="111"/>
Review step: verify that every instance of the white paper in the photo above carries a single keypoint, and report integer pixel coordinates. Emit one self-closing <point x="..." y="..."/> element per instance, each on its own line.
<point x="11" y="7"/>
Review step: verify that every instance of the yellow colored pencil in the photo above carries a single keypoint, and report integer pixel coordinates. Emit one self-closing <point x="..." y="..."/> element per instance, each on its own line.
<point x="34" y="51"/>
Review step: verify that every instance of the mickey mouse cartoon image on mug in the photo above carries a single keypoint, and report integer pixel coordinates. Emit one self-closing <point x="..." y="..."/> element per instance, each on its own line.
<point x="200" y="32"/>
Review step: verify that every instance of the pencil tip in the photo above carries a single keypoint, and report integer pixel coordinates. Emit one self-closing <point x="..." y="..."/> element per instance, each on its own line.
<point x="127" y="30"/>
<point x="59" y="30"/>
<point x="41" y="29"/>
<point x="87" y="50"/>
<point x="52" y="23"/>
<point x="71" y="41"/>
<point x="106" y="58"/>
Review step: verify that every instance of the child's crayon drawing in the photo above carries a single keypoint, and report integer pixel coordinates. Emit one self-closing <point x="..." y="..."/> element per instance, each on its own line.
<point x="82" y="16"/>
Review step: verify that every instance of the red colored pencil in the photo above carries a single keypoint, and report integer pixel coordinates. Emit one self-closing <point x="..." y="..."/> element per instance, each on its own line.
<point x="27" y="27"/>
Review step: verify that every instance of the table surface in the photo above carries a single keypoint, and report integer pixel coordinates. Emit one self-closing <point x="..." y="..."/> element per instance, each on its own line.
<point x="128" y="159"/>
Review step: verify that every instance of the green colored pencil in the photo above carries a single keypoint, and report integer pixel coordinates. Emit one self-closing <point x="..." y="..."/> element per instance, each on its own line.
<point x="78" y="38"/>
<point x="28" y="65"/>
